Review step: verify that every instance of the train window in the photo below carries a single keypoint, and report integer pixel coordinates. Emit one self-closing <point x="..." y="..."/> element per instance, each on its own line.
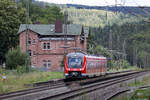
<point x="75" y="62"/>
<point x="96" y="65"/>
<point x="105" y="64"/>
<point x="100" y="64"/>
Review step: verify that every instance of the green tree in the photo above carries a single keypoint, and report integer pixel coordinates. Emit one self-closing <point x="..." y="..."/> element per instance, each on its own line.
<point x="100" y="50"/>
<point x="11" y="16"/>
<point x="15" y="58"/>
<point x="141" y="42"/>
<point x="43" y="14"/>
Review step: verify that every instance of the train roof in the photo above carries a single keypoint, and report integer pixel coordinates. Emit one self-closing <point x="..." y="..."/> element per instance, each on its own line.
<point x="88" y="56"/>
<point x="75" y="54"/>
<point x="99" y="57"/>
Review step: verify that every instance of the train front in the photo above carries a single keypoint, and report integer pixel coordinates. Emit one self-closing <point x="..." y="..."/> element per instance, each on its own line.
<point x="75" y="65"/>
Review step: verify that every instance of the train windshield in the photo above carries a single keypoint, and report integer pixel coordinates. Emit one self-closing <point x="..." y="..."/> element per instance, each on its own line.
<point x="75" y="62"/>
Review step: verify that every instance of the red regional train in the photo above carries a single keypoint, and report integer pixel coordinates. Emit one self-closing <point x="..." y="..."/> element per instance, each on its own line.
<point x="81" y="65"/>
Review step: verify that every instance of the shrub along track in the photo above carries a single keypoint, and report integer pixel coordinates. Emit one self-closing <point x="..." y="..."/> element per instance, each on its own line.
<point x="86" y="85"/>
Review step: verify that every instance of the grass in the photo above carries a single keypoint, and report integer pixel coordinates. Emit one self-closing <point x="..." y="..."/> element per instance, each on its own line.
<point x="125" y="69"/>
<point x="16" y="82"/>
<point x="121" y="98"/>
<point x="142" y="94"/>
<point x="144" y="81"/>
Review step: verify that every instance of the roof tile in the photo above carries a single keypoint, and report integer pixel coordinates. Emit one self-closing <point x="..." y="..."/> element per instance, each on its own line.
<point x="49" y="29"/>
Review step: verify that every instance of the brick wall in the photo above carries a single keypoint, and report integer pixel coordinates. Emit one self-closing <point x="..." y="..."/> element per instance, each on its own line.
<point x="54" y="54"/>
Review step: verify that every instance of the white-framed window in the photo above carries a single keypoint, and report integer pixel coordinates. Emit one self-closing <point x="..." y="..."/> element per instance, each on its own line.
<point x="48" y="63"/>
<point x="44" y="63"/>
<point x="33" y="41"/>
<point x="48" y="46"/>
<point x="44" y="46"/>
<point x="34" y="53"/>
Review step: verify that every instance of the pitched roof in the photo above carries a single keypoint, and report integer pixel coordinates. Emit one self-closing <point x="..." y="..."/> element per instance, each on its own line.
<point x="49" y="29"/>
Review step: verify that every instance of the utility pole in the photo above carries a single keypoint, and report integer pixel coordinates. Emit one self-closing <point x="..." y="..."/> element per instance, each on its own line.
<point x="110" y="31"/>
<point x="65" y="31"/>
<point x="109" y="44"/>
<point x="110" y="39"/>
<point x="65" y="46"/>
<point x="124" y="51"/>
<point x="116" y="6"/>
<point x="27" y="33"/>
<point x="118" y="42"/>
<point x="134" y="56"/>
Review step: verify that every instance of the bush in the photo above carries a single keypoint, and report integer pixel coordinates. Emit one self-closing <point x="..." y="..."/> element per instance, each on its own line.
<point x="21" y="69"/>
<point x="125" y="64"/>
<point x="100" y="50"/>
<point x="15" y="58"/>
<point x="121" y="64"/>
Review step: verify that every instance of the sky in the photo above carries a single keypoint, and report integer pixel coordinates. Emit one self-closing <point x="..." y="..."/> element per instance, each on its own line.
<point x="102" y="2"/>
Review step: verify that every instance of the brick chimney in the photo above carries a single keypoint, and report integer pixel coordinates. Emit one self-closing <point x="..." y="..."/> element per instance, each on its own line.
<point x="58" y="26"/>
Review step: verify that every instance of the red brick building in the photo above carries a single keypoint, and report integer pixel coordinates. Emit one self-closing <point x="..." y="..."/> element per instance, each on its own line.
<point x="46" y="42"/>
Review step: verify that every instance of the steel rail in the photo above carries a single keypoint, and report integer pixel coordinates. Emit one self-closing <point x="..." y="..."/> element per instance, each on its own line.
<point x="89" y="88"/>
<point x="32" y="90"/>
<point x="55" y="84"/>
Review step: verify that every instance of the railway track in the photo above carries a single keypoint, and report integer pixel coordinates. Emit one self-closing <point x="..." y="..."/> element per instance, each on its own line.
<point x="58" y="84"/>
<point x="50" y="82"/>
<point x="42" y="86"/>
<point x="92" y="87"/>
